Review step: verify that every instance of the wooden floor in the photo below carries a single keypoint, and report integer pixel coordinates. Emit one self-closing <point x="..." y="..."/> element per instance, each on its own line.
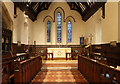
<point x="60" y="71"/>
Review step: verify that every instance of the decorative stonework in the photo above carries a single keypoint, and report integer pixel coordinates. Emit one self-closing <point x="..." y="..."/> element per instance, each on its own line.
<point x="63" y="13"/>
<point x="59" y="53"/>
<point x="48" y="16"/>
<point x="70" y="17"/>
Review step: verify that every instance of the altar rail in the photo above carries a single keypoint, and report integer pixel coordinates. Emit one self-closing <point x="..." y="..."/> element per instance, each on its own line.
<point x="98" y="72"/>
<point x="26" y="70"/>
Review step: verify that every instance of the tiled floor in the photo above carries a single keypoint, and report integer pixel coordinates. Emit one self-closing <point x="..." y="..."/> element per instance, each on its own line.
<point x="59" y="76"/>
<point x="59" y="71"/>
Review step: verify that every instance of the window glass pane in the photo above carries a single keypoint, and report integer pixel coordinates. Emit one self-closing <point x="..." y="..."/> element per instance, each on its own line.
<point x="58" y="27"/>
<point x="69" y="31"/>
<point x="48" y="31"/>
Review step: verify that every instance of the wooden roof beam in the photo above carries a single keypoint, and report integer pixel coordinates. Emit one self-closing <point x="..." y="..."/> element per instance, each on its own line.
<point x="75" y="5"/>
<point x="28" y="11"/>
<point x="89" y="12"/>
<point x="40" y="8"/>
<point x="85" y="3"/>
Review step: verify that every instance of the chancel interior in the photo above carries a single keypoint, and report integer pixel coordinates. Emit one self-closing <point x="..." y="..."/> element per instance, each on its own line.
<point x="64" y="42"/>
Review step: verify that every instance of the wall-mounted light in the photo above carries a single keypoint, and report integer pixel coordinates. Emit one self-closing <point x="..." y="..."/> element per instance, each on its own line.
<point x="7" y="40"/>
<point x="2" y="39"/>
<point x="27" y="5"/>
<point x="113" y="43"/>
<point x="15" y="15"/>
<point x="15" y="11"/>
<point x="18" y="43"/>
<point x="25" y="15"/>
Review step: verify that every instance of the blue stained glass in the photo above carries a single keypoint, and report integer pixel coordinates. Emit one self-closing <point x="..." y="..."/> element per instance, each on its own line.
<point x="48" y="31"/>
<point x="69" y="31"/>
<point x="58" y="27"/>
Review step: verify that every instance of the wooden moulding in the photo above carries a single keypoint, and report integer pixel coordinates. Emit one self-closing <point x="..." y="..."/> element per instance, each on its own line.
<point x="27" y="69"/>
<point x="95" y="71"/>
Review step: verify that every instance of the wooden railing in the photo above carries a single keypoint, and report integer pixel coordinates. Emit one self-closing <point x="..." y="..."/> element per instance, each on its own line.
<point x="8" y="66"/>
<point x="95" y="71"/>
<point x="105" y="53"/>
<point x="15" y="58"/>
<point x="26" y="70"/>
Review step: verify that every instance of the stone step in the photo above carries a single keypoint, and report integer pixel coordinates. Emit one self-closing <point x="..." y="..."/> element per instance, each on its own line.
<point x="59" y="68"/>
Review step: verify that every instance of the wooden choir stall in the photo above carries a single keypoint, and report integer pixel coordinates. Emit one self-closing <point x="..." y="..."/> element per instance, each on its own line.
<point x="17" y="64"/>
<point x="101" y="63"/>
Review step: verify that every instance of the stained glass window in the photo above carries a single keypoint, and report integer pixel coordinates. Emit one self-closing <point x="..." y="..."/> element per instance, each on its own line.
<point x="69" y="31"/>
<point x="48" y="31"/>
<point x="58" y="27"/>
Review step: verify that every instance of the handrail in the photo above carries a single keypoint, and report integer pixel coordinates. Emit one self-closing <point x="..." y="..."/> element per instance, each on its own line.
<point x="27" y="69"/>
<point x="95" y="71"/>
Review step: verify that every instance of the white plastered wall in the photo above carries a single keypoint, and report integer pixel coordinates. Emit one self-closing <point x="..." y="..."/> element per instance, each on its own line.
<point x="107" y="26"/>
<point x="119" y="21"/>
<point x="36" y="31"/>
<point x="39" y="29"/>
<point x="110" y="23"/>
<point x="21" y="32"/>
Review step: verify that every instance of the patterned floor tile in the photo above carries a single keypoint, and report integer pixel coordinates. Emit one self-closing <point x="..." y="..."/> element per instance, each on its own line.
<point x="59" y="71"/>
<point x="60" y="76"/>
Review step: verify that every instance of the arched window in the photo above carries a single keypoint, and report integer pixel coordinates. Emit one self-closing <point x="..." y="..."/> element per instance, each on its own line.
<point x="69" y="31"/>
<point x="48" y="31"/>
<point x="58" y="27"/>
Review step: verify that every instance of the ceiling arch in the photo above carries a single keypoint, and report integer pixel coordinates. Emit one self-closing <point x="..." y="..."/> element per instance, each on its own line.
<point x="85" y="9"/>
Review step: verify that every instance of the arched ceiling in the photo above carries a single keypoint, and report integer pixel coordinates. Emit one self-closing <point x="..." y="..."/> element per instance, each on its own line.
<point x="86" y="9"/>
